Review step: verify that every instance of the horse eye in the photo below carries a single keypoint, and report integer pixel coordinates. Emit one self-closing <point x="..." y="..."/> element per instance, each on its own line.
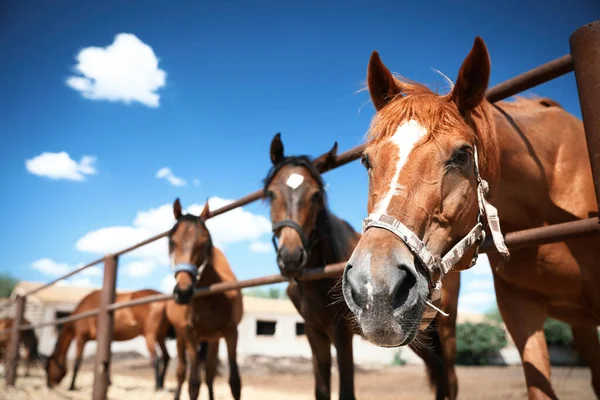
<point x="461" y="157"/>
<point x="316" y="197"/>
<point x="364" y="160"/>
<point x="271" y="195"/>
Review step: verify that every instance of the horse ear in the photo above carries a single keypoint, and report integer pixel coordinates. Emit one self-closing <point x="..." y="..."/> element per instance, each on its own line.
<point x="177" y="209"/>
<point x="382" y="85"/>
<point x="276" y="149"/>
<point x="327" y="160"/>
<point x="205" y="214"/>
<point x="473" y="78"/>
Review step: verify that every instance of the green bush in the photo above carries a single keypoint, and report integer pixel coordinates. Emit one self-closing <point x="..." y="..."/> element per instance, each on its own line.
<point x="477" y="343"/>
<point x="7" y="284"/>
<point x="557" y="333"/>
<point x="398" y="359"/>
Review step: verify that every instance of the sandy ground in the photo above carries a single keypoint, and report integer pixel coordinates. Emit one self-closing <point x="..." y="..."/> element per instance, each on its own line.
<point x="133" y="380"/>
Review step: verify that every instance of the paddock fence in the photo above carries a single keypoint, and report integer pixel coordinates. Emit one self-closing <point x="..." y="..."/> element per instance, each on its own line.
<point x="583" y="60"/>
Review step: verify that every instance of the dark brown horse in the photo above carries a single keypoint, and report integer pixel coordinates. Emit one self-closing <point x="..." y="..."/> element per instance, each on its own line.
<point x="429" y="159"/>
<point x="148" y="320"/>
<point x="308" y="235"/>
<point x="29" y="343"/>
<point x="197" y="263"/>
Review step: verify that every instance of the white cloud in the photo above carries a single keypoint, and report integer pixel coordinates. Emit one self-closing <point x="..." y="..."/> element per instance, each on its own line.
<point x="138" y="269"/>
<point x="167" y="283"/>
<point x="261" y="247"/>
<point x="126" y="70"/>
<point x="196" y="182"/>
<point x="238" y="225"/>
<point x="61" y="166"/>
<point x="50" y="267"/>
<point x="167" y="173"/>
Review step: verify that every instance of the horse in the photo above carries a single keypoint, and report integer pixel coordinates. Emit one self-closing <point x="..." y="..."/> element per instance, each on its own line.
<point x="29" y="343"/>
<point x="148" y="320"/>
<point x="442" y="168"/>
<point x="306" y="234"/>
<point x="196" y="262"/>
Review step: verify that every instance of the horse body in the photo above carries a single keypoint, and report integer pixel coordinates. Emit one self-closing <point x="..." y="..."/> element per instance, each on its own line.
<point x="428" y="160"/>
<point x="543" y="149"/>
<point x="29" y="343"/>
<point x="310" y="236"/>
<point x="202" y="320"/>
<point x="148" y="320"/>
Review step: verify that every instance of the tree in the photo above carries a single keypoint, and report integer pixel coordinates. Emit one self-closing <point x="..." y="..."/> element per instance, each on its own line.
<point x="7" y="284"/>
<point x="557" y="333"/>
<point x="476" y="343"/>
<point x="271" y="293"/>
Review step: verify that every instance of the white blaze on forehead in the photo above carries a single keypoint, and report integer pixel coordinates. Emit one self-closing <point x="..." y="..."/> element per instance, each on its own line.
<point x="294" y="180"/>
<point x="405" y="138"/>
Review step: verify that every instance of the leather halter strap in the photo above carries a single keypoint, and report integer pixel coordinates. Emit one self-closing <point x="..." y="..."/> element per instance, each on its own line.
<point x="438" y="267"/>
<point x="277" y="226"/>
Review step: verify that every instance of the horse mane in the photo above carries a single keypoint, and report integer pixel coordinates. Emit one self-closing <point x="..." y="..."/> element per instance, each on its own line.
<point x="439" y="115"/>
<point x="296" y="161"/>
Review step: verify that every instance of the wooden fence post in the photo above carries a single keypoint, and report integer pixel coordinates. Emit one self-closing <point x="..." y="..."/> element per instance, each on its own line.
<point x="105" y="329"/>
<point x="585" y="51"/>
<point x="15" y="340"/>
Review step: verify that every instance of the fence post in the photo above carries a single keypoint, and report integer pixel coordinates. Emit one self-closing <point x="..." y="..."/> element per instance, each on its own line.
<point x="585" y="51"/>
<point x="105" y="329"/>
<point x="15" y="340"/>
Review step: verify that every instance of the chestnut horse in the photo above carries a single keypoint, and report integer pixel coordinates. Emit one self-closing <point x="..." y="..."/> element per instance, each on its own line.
<point x="308" y="235"/>
<point x="29" y="343"/>
<point x="148" y="320"/>
<point x="197" y="263"/>
<point x="428" y="159"/>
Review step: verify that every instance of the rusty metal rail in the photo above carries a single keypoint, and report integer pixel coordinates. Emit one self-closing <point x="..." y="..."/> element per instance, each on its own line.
<point x="584" y="60"/>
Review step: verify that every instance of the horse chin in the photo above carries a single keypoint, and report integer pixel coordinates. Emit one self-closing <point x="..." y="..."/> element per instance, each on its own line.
<point x="390" y="329"/>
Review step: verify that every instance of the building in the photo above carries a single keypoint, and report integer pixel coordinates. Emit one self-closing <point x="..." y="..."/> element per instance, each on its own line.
<point x="269" y="328"/>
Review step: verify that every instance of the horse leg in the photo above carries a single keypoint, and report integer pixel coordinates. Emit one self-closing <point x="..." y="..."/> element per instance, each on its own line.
<point x="586" y="340"/>
<point x="165" y="362"/>
<point x="321" y="359"/>
<point x="524" y="319"/>
<point x="345" y="359"/>
<point x="235" y="383"/>
<point x="447" y="335"/>
<point x="211" y="367"/>
<point x="181" y="364"/>
<point x="194" y="380"/>
<point x="81" y="341"/>
<point x="151" y="343"/>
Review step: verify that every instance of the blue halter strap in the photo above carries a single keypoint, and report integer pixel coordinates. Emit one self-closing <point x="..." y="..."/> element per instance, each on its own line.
<point x="185" y="267"/>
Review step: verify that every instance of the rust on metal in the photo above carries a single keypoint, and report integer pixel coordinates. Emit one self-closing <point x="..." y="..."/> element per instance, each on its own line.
<point x="531" y="78"/>
<point x="585" y="48"/>
<point x="15" y="340"/>
<point x="105" y="329"/>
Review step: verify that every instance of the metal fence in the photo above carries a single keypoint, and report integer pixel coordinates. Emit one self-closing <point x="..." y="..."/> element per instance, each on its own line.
<point x="584" y="60"/>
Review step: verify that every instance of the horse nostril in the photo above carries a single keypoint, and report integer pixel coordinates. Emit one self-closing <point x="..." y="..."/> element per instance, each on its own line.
<point x="355" y="281"/>
<point x="405" y="281"/>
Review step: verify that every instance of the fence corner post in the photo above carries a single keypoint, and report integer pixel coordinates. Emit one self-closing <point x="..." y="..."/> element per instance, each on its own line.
<point x="105" y="325"/>
<point x="585" y="51"/>
<point x="15" y="340"/>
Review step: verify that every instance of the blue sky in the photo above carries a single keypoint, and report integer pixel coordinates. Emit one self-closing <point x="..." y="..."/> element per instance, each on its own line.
<point x="109" y="110"/>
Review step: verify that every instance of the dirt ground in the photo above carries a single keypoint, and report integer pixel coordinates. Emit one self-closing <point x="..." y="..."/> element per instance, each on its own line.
<point x="134" y="380"/>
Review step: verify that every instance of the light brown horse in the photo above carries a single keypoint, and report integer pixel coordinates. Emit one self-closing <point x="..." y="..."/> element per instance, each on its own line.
<point x="148" y="320"/>
<point x="308" y="235"/>
<point x="29" y="343"/>
<point x="422" y="162"/>
<point x="197" y="263"/>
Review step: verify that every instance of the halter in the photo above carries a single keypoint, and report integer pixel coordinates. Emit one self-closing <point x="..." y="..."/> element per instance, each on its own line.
<point x="436" y="266"/>
<point x="192" y="269"/>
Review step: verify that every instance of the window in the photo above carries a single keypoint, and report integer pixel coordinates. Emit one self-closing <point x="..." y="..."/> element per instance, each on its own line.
<point x="300" y="329"/>
<point x="60" y="314"/>
<point x="265" y="328"/>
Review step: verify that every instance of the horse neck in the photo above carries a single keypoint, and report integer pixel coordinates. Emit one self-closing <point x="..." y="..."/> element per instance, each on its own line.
<point x="209" y="275"/>
<point x="333" y="240"/>
<point x="66" y="335"/>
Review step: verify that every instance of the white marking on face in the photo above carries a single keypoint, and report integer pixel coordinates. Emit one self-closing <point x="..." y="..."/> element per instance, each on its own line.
<point x="173" y="261"/>
<point x="369" y="288"/>
<point x="294" y="181"/>
<point x="405" y="138"/>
